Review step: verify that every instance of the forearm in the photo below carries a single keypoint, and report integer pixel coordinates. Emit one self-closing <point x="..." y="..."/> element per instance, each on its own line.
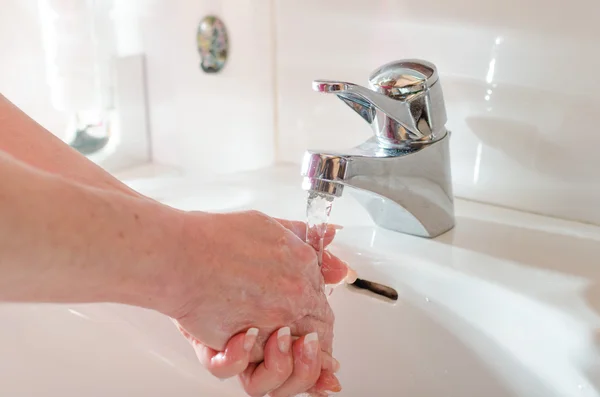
<point x="29" y="142"/>
<point x="64" y="242"/>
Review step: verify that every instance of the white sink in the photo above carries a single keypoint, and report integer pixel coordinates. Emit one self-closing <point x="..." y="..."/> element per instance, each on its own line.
<point x="506" y="304"/>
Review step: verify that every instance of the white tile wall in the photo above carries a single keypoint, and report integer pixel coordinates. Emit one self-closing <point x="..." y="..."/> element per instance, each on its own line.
<point x="198" y="122"/>
<point x="519" y="80"/>
<point x="222" y="122"/>
<point x="22" y="66"/>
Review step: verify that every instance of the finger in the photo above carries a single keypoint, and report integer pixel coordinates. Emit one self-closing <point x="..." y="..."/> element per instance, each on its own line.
<point x="275" y="369"/>
<point x="231" y="362"/>
<point x="328" y="363"/>
<point x="299" y="229"/>
<point x="334" y="269"/>
<point x="320" y="321"/>
<point x="327" y="383"/>
<point x="307" y="367"/>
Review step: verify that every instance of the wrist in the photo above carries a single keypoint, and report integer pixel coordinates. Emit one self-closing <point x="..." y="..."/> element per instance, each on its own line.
<point x="180" y="273"/>
<point x="154" y="280"/>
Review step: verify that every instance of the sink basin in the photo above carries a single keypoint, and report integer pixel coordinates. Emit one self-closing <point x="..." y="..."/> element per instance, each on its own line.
<point x="465" y="324"/>
<point x="506" y="304"/>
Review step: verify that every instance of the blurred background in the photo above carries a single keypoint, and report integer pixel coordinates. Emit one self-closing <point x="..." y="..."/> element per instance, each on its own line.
<point x="121" y="81"/>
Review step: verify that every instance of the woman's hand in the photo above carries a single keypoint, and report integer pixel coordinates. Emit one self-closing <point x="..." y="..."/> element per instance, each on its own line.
<point x="138" y="236"/>
<point x="281" y="373"/>
<point x="254" y="273"/>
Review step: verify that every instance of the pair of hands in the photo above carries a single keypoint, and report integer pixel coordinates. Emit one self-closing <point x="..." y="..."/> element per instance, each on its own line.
<point x="258" y="310"/>
<point x="229" y="280"/>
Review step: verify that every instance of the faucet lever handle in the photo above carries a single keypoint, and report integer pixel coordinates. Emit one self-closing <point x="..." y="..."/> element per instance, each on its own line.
<point x="330" y="86"/>
<point x="403" y="104"/>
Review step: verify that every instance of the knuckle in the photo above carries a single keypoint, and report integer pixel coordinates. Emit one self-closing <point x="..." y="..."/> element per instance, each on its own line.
<point x="256" y="213"/>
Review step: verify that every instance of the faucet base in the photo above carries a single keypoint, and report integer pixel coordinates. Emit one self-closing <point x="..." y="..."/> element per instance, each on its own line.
<point x="390" y="215"/>
<point x="405" y="190"/>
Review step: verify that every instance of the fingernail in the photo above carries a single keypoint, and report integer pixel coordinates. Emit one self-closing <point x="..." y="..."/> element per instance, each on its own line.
<point x="250" y="339"/>
<point x="311" y="345"/>
<point x="337" y="227"/>
<point x="284" y="339"/>
<point x="351" y="276"/>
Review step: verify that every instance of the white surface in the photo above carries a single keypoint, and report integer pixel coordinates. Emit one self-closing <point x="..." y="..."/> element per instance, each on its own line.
<point x="129" y="145"/>
<point x="218" y="123"/>
<point x="506" y="304"/>
<point x="78" y="43"/>
<point x="198" y="122"/>
<point x="22" y="64"/>
<point x="516" y="78"/>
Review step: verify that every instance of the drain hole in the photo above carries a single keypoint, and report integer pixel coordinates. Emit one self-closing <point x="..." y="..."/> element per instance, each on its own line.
<point x="376" y="288"/>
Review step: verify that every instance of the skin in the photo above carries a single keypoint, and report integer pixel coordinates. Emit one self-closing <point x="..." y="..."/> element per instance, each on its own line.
<point x="71" y="232"/>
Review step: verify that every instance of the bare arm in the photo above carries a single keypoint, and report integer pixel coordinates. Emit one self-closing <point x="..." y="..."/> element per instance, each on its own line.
<point x="68" y="234"/>
<point x="64" y="242"/>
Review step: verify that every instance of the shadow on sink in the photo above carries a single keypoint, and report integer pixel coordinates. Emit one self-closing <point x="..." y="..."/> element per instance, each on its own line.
<point x="550" y="252"/>
<point x="527" y="323"/>
<point x="558" y="253"/>
<point x="436" y="349"/>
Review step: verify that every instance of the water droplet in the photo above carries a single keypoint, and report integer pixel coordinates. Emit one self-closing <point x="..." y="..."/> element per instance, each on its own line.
<point x="580" y="387"/>
<point x="426" y="299"/>
<point x="318" y="208"/>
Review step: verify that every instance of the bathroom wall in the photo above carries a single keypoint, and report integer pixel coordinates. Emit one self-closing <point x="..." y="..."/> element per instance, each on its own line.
<point x="210" y="122"/>
<point x="199" y="123"/>
<point x="518" y="77"/>
<point x="22" y="67"/>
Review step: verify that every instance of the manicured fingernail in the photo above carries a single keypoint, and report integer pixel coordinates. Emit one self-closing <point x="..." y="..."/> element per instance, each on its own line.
<point x="351" y="276"/>
<point x="250" y="339"/>
<point x="284" y="339"/>
<point x="311" y="345"/>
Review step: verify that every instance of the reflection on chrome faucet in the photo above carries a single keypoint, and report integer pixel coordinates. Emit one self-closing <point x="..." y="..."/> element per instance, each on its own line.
<point x="402" y="175"/>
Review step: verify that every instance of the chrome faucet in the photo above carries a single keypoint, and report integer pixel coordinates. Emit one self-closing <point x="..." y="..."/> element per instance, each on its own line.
<point x="401" y="175"/>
